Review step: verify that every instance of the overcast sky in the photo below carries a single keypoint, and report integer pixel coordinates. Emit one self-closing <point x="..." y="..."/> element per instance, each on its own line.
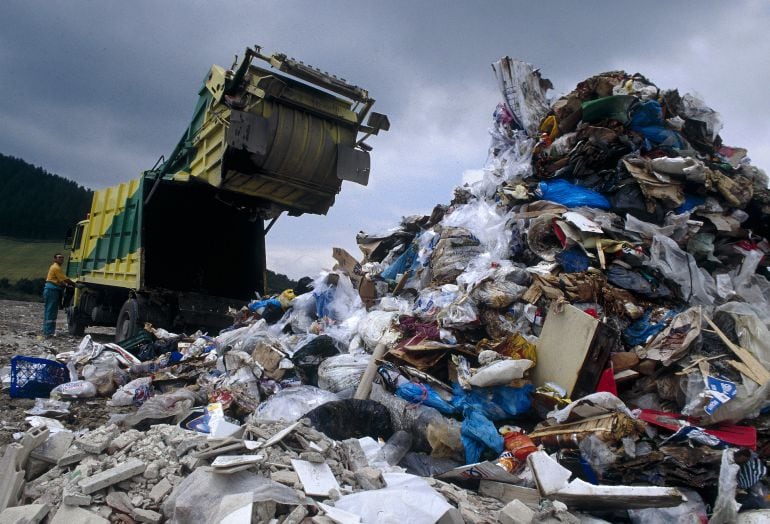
<point x="97" y="91"/>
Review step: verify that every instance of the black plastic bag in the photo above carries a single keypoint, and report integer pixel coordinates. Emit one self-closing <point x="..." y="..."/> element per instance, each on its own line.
<point x="309" y="357"/>
<point x="352" y="418"/>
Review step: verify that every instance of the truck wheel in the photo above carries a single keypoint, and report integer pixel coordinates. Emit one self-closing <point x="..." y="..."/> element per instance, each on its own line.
<point x="74" y="327"/>
<point x="128" y="321"/>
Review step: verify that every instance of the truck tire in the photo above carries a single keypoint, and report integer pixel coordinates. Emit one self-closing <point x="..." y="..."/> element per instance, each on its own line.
<point x="128" y="321"/>
<point x="75" y="327"/>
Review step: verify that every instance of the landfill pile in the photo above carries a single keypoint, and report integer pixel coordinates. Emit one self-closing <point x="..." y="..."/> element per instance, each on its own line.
<point x="580" y="336"/>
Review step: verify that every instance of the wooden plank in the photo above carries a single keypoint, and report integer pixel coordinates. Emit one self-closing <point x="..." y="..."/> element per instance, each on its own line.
<point x="760" y="373"/>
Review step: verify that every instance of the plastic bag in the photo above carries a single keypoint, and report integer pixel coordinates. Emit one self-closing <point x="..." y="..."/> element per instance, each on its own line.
<point x="570" y="195"/>
<point x="379" y="326"/>
<point x="691" y="512"/>
<point x="500" y="373"/>
<point x="311" y="355"/>
<point x="133" y="393"/>
<point x="292" y="404"/>
<point x="478" y="434"/>
<point x="431" y="301"/>
<point x="341" y="372"/>
<point x="74" y="389"/>
<point x="424" y="394"/>
<point x="351" y="418"/>
<point x="205" y="496"/>
<point x="697" y="286"/>
<point x="597" y="453"/>
<point x="496" y="403"/>
<point x="173" y="405"/>
<point x="460" y="314"/>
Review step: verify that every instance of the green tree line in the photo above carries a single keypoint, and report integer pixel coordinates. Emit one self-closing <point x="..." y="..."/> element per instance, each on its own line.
<point x="37" y="205"/>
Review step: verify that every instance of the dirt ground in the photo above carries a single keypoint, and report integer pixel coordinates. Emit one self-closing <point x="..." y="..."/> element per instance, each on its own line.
<point x="20" y="334"/>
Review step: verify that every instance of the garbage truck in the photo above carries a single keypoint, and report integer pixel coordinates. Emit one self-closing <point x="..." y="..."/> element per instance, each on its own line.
<point x="183" y="243"/>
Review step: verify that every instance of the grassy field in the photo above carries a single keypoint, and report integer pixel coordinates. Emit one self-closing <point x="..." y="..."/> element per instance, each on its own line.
<point x="25" y="259"/>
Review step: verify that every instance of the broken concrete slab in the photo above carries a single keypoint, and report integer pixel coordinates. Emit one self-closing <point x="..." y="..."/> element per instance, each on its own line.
<point x="286" y="477"/>
<point x="70" y="514"/>
<point x="73" y="455"/>
<point x="146" y="515"/>
<point x="97" y="441"/>
<point x="119" y="501"/>
<point x="505" y="492"/>
<point x="54" y="448"/>
<point x="553" y="482"/>
<point x="160" y="490"/>
<point x="316" y="479"/>
<point x="112" y="476"/>
<point x="29" y="514"/>
<point x="75" y="498"/>
<point x="516" y="512"/>
<point x="13" y="463"/>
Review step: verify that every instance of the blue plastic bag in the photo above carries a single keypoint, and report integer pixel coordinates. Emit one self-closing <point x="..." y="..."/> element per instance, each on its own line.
<point x="495" y="403"/>
<point x="402" y="264"/>
<point x="647" y="119"/>
<point x="477" y="434"/>
<point x="424" y="394"/>
<point x="641" y="330"/>
<point x="570" y="195"/>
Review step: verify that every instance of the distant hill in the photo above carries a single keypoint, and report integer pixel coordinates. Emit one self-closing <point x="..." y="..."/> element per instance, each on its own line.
<point x="37" y="205"/>
<point x="36" y="209"/>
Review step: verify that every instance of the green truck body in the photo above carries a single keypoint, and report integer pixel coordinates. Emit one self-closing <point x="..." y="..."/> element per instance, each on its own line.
<point x="185" y="241"/>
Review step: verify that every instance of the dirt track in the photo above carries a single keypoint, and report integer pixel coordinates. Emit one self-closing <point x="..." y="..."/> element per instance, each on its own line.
<point x="20" y="334"/>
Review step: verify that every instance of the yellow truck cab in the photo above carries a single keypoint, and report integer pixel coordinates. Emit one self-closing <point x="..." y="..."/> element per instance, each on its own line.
<point x="185" y="240"/>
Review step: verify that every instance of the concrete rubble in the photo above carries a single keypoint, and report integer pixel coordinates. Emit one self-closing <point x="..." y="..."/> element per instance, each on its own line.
<point x="580" y="336"/>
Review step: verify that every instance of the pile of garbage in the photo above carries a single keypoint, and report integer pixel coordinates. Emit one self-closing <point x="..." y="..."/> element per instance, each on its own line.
<point x="584" y="331"/>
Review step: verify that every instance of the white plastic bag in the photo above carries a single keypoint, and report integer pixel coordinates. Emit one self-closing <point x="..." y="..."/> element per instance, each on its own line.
<point x="487" y="222"/>
<point x="500" y="372"/>
<point x="292" y="403"/>
<point x="341" y="372"/>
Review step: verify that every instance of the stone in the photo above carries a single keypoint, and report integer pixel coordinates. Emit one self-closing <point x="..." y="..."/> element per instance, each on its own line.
<point x="35" y="468"/>
<point x="137" y="500"/>
<point x="516" y="512"/>
<point x="71" y="514"/>
<point x="160" y="490"/>
<point x="152" y="471"/>
<point x="312" y="456"/>
<point x="97" y="441"/>
<point x="296" y="516"/>
<point x="29" y="514"/>
<point x="354" y="454"/>
<point x="289" y="478"/>
<point x="119" y="501"/>
<point x="147" y="515"/>
<point x="112" y="476"/>
<point x="54" y="448"/>
<point x="123" y="440"/>
<point x="370" y="478"/>
<point x="75" y="498"/>
<point x="265" y="511"/>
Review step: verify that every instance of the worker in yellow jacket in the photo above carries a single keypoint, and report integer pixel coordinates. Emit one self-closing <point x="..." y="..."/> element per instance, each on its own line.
<point x="55" y="281"/>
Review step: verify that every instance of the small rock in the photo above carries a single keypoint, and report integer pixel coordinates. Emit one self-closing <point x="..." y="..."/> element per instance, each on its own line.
<point x="370" y="478"/>
<point x="296" y="516"/>
<point x="286" y="477"/>
<point x="160" y="490"/>
<point x="312" y="456"/>
<point x="146" y="515"/>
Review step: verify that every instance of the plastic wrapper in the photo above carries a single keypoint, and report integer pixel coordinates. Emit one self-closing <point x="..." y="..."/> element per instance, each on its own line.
<point x="417" y="501"/>
<point x="725" y="506"/>
<point x="697" y="286"/>
<point x="174" y="405"/>
<point x="341" y="372"/>
<point x="461" y="314"/>
<point x="205" y="496"/>
<point x="500" y="373"/>
<point x="133" y="393"/>
<point x="486" y="222"/>
<point x="693" y="511"/>
<point x="597" y="454"/>
<point x="570" y="195"/>
<point x="336" y="299"/>
<point x="292" y="404"/>
<point x="431" y="301"/>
